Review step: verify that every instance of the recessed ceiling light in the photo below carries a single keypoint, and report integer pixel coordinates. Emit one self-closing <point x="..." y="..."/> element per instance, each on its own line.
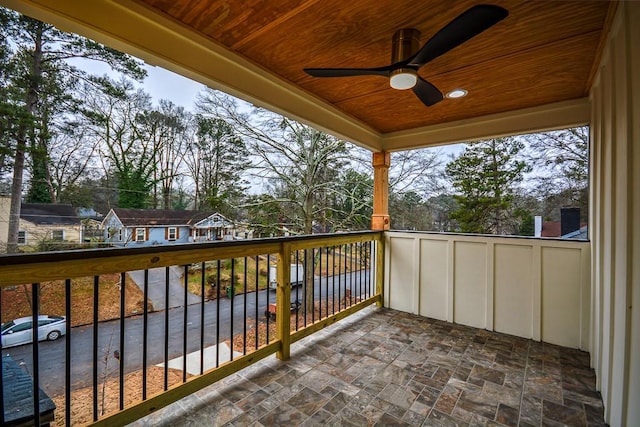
<point x="457" y="93"/>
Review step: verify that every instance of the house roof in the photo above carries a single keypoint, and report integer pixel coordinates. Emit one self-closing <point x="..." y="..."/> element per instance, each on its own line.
<point x="159" y="217"/>
<point x="531" y="71"/>
<point x="17" y="391"/>
<point x="49" y="214"/>
<point x="581" y="234"/>
<point x="553" y="229"/>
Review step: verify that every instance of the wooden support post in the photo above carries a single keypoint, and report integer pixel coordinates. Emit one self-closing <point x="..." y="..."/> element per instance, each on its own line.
<point x="380" y="219"/>
<point x="283" y="301"/>
<point x="380" y="269"/>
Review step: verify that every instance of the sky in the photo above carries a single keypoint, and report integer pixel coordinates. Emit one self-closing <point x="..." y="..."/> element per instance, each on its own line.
<point x="164" y="84"/>
<point x="159" y="83"/>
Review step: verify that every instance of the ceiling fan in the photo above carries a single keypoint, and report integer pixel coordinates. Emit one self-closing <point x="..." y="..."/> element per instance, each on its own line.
<point x="407" y="59"/>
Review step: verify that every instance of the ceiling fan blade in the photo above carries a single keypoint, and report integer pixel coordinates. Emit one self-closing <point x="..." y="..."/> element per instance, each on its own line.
<point x="427" y="93"/>
<point x="467" y="25"/>
<point x="348" y="72"/>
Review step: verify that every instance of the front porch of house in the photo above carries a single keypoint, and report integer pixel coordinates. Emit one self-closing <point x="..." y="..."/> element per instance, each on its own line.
<point x="385" y="367"/>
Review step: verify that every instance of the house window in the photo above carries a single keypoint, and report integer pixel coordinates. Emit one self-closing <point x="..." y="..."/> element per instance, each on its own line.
<point x="172" y="233"/>
<point x="140" y="234"/>
<point x="57" y="235"/>
<point x="22" y="237"/>
<point x="120" y="236"/>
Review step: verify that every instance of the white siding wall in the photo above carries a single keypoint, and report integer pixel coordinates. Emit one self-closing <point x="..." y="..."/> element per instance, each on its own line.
<point x="532" y="288"/>
<point x="615" y="219"/>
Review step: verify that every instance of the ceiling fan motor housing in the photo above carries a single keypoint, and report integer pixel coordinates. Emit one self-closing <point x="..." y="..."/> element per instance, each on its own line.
<point x="406" y="43"/>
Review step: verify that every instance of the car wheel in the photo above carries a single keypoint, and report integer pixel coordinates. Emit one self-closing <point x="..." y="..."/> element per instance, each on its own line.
<point x="53" y="335"/>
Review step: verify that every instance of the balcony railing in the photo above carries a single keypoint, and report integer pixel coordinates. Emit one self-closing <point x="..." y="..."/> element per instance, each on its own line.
<point x="147" y="326"/>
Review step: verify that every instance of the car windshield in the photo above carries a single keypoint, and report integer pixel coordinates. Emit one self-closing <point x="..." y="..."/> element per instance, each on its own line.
<point x="7" y="325"/>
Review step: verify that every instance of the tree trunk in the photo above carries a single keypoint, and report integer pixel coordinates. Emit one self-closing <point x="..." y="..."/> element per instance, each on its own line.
<point x="18" y="164"/>
<point x="16" y="199"/>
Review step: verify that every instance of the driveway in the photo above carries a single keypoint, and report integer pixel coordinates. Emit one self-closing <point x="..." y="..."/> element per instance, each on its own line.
<point x="157" y="279"/>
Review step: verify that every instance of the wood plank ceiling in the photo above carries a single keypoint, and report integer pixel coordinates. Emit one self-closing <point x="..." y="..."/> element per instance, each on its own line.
<point x="543" y="52"/>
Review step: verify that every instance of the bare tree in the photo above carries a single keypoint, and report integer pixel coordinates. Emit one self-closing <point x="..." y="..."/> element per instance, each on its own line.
<point x="299" y="164"/>
<point x="126" y="153"/>
<point x="71" y="155"/>
<point x="565" y="151"/>
<point x="166" y="128"/>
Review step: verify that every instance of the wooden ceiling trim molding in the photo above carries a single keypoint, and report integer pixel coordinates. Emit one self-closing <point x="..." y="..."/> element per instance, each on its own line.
<point x="604" y="38"/>
<point x="252" y="36"/>
<point x="536" y="119"/>
<point x="136" y="29"/>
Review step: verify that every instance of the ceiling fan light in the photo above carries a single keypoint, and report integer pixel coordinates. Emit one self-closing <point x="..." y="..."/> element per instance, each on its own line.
<point x="403" y="79"/>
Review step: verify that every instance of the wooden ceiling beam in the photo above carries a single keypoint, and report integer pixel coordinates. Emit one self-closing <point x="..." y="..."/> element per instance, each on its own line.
<point x="529" y="120"/>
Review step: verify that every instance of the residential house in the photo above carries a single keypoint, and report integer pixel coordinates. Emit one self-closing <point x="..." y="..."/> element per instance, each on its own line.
<point x="42" y="223"/>
<point x="569" y="226"/>
<point x="91" y="224"/>
<point x="144" y="227"/>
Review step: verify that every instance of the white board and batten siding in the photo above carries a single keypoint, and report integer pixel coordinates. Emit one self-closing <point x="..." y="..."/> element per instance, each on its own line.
<point x="532" y="288"/>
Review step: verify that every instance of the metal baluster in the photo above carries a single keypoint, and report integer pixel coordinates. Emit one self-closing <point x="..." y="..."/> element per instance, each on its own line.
<point x="326" y="280"/>
<point x="231" y="317"/>
<point x="360" y="269"/>
<point x="96" y="283"/>
<point x="268" y="291"/>
<point x="166" y="328"/>
<point x="145" y="334"/>
<point x="369" y="259"/>
<point x="319" y="283"/>
<point x="351" y="274"/>
<point x="341" y="272"/>
<point x="333" y="280"/>
<point x="185" y="320"/>
<point x="244" y="330"/>
<point x="35" y="300"/>
<point x="67" y="355"/>
<point x="122" y="338"/>
<point x="297" y="287"/>
<point x="217" y="313"/>
<point x="257" y="292"/>
<point x="202" y="292"/>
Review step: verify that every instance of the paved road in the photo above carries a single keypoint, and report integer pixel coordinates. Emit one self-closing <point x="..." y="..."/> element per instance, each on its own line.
<point x="52" y="354"/>
<point x="157" y="278"/>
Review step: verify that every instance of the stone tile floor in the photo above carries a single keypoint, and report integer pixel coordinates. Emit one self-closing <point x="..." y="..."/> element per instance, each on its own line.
<point x="387" y="368"/>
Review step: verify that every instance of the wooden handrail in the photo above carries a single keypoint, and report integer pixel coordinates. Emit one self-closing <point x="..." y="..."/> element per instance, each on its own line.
<point x="33" y="268"/>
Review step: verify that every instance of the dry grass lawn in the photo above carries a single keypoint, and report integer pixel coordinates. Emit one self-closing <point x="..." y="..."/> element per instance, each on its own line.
<point x="16" y="301"/>
<point x="82" y="399"/>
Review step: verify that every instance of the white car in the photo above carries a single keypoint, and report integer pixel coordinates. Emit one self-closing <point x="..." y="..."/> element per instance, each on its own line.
<point x="20" y="331"/>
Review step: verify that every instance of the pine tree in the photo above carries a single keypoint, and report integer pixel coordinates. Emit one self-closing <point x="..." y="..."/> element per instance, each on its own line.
<point x="485" y="176"/>
<point x="218" y="160"/>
